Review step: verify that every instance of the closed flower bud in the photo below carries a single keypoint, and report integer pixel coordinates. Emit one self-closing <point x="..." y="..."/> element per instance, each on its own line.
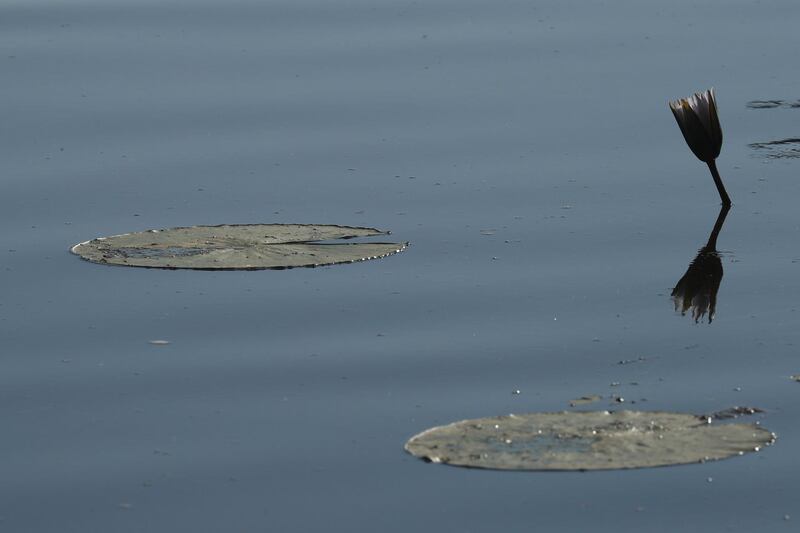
<point x="699" y="123"/>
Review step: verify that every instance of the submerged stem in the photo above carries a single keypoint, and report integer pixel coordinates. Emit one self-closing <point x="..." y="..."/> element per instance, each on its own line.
<point x="723" y="194"/>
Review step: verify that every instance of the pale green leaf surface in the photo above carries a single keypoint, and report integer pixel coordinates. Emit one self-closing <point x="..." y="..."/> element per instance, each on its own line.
<point x="237" y="247"/>
<point x="587" y="440"/>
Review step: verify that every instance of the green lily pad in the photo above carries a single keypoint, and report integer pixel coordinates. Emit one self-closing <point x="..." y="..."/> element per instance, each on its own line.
<point x="237" y="247"/>
<point x="593" y="440"/>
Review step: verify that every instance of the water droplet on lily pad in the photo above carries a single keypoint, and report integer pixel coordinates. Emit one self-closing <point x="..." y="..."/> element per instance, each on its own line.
<point x="594" y="440"/>
<point x="237" y="247"/>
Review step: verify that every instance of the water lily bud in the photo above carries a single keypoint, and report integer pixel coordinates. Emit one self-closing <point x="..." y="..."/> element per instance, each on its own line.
<point x="699" y="123"/>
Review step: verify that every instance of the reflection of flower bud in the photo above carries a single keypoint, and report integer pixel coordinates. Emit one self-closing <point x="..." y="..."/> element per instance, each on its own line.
<point x="697" y="289"/>
<point x="699" y="123"/>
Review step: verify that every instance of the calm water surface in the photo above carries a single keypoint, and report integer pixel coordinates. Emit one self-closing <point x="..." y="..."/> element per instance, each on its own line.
<point x="526" y="151"/>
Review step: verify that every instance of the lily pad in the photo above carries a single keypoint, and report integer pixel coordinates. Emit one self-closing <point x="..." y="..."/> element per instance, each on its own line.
<point x="593" y="440"/>
<point x="237" y="247"/>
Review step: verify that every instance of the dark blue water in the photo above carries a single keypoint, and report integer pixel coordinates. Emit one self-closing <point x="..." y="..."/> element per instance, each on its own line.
<point x="527" y="152"/>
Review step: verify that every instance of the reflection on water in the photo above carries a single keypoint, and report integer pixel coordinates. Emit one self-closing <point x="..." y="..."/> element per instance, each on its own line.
<point x="697" y="289"/>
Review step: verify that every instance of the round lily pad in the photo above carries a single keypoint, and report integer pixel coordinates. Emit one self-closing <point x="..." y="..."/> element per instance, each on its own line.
<point x="237" y="247"/>
<point x="593" y="440"/>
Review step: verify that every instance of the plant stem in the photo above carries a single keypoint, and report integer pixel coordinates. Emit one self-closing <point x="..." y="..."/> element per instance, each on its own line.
<point x="723" y="194"/>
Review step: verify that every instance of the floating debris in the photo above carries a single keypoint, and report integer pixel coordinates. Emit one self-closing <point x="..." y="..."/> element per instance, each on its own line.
<point x="795" y="377"/>
<point x="586" y="440"/>
<point x="629" y="361"/>
<point x="733" y="412"/>
<point x="584" y="400"/>
<point x="237" y="247"/>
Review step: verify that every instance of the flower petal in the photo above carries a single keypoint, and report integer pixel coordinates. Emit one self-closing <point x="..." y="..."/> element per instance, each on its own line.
<point x="694" y="132"/>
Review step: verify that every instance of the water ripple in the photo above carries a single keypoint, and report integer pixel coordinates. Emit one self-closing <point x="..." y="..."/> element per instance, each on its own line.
<point x="781" y="149"/>
<point x="771" y="104"/>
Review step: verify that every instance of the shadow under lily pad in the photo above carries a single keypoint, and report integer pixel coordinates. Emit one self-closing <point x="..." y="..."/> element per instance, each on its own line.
<point x="588" y="440"/>
<point x="237" y="247"/>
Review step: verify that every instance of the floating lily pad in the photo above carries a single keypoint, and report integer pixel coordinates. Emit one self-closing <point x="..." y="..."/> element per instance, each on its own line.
<point x="595" y="440"/>
<point x="237" y="247"/>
